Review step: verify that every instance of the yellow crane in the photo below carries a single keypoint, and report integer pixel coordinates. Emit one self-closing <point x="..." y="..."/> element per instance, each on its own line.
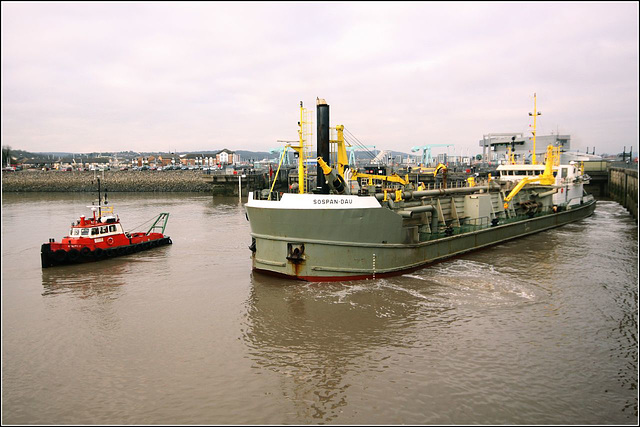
<point x="439" y="168"/>
<point x="444" y="170"/>
<point x="387" y="178"/>
<point x="546" y="178"/>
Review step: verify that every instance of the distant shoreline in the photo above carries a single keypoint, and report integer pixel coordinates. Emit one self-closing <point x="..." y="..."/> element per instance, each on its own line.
<point x="113" y="181"/>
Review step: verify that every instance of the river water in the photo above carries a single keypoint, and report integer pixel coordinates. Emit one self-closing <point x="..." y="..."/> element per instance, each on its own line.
<point x="541" y="330"/>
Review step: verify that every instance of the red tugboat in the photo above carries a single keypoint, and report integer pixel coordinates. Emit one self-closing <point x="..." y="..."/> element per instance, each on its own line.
<point x="102" y="237"/>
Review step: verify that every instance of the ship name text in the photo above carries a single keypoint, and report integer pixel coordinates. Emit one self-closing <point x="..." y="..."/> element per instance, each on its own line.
<point x="332" y="201"/>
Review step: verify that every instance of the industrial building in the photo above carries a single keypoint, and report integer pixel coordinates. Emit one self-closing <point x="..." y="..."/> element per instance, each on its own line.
<point x="495" y="146"/>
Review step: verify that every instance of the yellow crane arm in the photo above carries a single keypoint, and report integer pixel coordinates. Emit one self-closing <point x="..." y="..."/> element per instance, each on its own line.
<point x="438" y="168"/>
<point x="343" y="159"/>
<point x="392" y="178"/>
<point x="524" y="181"/>
<point x="546" y="178"/>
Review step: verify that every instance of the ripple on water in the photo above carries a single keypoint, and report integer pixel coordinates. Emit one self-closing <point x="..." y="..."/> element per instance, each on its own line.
<point x="464" y="282"/>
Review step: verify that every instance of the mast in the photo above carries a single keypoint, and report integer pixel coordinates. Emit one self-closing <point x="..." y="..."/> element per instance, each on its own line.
<point x="99" y="201"/>
<point x="535" y="114"/>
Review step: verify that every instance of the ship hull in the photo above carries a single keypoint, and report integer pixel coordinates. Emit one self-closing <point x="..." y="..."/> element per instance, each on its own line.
<point x="357" y="247"/>
<point x="52" y="258"/>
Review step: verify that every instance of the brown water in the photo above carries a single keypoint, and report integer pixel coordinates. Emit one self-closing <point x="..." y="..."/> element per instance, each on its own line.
<point x="541" y="330"/>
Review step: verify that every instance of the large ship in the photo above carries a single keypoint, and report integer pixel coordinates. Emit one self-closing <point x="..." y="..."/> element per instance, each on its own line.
<point x="355" y="225"/>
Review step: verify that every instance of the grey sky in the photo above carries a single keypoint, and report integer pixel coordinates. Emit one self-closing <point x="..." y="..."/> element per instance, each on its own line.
<point x="201" y="76"/>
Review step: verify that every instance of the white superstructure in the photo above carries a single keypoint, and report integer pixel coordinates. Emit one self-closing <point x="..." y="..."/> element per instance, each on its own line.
<point x="569" y="180"/>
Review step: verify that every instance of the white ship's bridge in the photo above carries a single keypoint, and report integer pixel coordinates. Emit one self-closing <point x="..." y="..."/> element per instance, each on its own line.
<point x="517" y="172"/>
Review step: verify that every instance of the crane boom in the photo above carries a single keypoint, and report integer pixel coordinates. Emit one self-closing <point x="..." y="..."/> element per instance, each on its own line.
<point x="546" y="178"/>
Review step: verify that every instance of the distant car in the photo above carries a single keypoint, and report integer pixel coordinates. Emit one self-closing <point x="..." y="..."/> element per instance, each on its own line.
<point x="9" y="169"/>
<point x="124" y="168"/>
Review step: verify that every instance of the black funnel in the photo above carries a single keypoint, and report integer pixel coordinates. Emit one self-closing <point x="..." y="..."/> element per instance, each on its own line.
<point x="322" y="144"/>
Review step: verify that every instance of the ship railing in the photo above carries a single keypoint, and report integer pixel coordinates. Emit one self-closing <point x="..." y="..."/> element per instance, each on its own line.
<point x="476" y="224"/>
<point x="472" y="224"/>
<point x="578" y="200"/>
<point x="264" y="195"/>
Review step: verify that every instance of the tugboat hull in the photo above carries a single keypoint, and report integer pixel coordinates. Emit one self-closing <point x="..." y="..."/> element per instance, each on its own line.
<point x="52" y="258"/>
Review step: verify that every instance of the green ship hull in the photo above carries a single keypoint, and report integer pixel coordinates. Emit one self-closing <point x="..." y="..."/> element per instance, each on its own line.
<point x="315" y="238"/>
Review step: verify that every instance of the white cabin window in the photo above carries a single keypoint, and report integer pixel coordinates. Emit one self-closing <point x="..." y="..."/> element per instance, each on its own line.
<point x="85" y="232"/>
<point x="112" y="228"/>
<point x="564" y="172"/>
<point x="75" y="232"/>
<point x="94" y="231"/>
<point x="103" y="229"/>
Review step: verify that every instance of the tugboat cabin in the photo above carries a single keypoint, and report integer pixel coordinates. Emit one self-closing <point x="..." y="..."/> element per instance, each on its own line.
<point x="96" y="228"/>
<point x="95" y="231"/>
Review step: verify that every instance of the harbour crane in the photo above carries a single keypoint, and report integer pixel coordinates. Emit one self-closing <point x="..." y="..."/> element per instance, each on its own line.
<point x="280" y="152"/>
<point x="352" y="155"/>
<point x="426" y="152"/>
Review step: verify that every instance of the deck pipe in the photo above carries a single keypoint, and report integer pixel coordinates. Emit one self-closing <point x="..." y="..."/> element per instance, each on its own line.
<point x="408" y="213"/>
<point x="322" y="186"/>
<point x="548" y="193"/>
<point x="439" y="192"/>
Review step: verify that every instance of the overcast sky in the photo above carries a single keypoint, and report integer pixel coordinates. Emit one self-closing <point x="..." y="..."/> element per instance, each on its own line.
<point x="86" y="77"/>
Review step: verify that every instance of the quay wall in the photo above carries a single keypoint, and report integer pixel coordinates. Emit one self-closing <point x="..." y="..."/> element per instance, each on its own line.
<point x="113" y="181"/>
<point x="623" y="188"/>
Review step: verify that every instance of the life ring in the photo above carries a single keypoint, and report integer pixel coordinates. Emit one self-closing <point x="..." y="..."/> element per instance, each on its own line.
<point x="110" y="241"/>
